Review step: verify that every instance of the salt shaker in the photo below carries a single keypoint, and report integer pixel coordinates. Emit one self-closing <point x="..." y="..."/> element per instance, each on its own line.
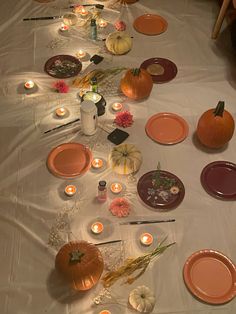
<point x="88" y="116"/>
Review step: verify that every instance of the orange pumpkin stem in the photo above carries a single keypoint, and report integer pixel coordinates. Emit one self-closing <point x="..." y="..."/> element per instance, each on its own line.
<point x="135" y="72"/>
<point x="219" y="109"/>
<point x="75" y="256"/>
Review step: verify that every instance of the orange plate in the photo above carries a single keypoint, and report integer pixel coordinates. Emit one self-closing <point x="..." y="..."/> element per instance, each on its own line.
<point x="69" y="160"/>
<point x="167" y="128"/>
<point x="210" y="276"/>
<point x="150" y="24"/>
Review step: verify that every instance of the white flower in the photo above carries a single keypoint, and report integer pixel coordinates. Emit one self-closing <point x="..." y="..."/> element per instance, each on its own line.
<point x="174" y="190"/>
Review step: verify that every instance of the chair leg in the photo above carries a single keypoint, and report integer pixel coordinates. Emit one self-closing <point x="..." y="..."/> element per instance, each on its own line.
<point x="220" y="18"/>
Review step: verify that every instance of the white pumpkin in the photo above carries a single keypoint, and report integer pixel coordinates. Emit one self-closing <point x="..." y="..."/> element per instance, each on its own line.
<point x="125" y="159"/>
<point x="142" y="299"/>
<point x="119" y="42"/>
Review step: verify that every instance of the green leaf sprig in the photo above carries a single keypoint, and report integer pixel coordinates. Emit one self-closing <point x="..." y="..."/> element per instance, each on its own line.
<point x="160" y="181"/>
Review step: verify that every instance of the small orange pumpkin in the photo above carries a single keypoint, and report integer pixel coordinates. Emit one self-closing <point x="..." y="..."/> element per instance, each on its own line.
<point x="136" y="84"/>
<point x="215" y="127"/>
<point x="80" y="263"/>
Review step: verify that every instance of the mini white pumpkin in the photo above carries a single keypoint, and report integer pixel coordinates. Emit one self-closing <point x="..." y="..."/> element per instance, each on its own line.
<point x="119" y="42"/>
<point x="125" y="159"/>
<point x="142" y="299"/>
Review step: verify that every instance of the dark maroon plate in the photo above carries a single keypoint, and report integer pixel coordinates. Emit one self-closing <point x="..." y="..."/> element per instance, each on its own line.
<point x="163" y="197"/>
<point x="63" y="66"/>
<point x="162" y="70"/>
<point x="219" y="179"/>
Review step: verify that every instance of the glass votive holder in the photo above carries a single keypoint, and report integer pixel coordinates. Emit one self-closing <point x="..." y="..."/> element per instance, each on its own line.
<point x="146" y="239"/>
<point x="70" y="190"/>
<point x="29" y="84"/>
<point x="64" y="28"/>
<point x="61" y="112"/>
<point x="97" y="227"/>
<point x="97" y="163"/>
<point x="117" y="106"/>
<point x="116" y="187"/>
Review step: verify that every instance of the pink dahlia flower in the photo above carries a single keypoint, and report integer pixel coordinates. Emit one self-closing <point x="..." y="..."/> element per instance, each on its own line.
<point x="120" y="207"/>
<point x="124" y="119"/>
<point x="61" y="86"/>
<point x="120" y="26"/>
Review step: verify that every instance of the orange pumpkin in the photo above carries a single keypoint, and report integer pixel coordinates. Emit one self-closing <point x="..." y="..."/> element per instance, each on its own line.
<point x="136" y="84"/>
<point x="80" y="263"/>
<point x="215" y="127"/>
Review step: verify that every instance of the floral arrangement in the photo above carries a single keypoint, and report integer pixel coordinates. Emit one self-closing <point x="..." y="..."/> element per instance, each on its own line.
<point x="120" y="26"/>
<point x="160" y="181"/>
<point x="120" y="207"/>
<point x="124" y="119"/>
<point x="61" y="86"/>
<point x="133" y="264"/>
<point x="162" y="187"/>
<point x="63" y="67"/>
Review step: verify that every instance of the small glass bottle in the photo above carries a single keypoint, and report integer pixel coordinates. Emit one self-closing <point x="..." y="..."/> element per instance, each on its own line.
<point x="93" y="27"/>
<point x="94" y="84"/>
<point x="102" y="191"/>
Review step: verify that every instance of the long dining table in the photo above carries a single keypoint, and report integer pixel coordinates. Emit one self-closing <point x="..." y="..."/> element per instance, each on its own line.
<point x="36" y="216"/>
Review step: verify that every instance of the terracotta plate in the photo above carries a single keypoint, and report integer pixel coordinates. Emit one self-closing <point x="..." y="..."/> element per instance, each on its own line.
<point x="210" y="276"/>
<point x="162" y="70"/>
<point x="219" y="179"/>
<point x="69" y="160"/>
<point x="167" y="128"/>
<point x="63" y="66"/>
<point x="162" y="198"/>
<point x="150" y="24"/>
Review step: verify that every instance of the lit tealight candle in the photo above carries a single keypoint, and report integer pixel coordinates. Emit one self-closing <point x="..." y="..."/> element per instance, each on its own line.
<point x="97" y="163"/>
<point x="60" y="112"/>
<point x="117" y="106"/>
<point x="97" y="227"/>
<point x="81" y="54"/>
<point x="116" y="188"/>
<point x="83" y="12"/>
<point x="29" y="84"/>
<point x="146" y="239"/>
<point x="102" y="23"/>
<point x="64" y="28"/>
<point x="70" y="190"/>
<point x="104" y="312"/>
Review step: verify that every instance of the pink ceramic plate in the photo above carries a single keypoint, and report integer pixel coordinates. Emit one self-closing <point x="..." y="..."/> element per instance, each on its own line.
<point x="210" y="276"/>
<point x="219" y="179"/>
<point x="162" y="70"/>
<point x="150" y="24"/>
<point x="69" y="160"/>
<point x="167" y="128"/>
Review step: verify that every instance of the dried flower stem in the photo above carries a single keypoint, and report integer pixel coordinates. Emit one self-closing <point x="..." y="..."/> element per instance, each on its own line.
<point x="133" y="264"/>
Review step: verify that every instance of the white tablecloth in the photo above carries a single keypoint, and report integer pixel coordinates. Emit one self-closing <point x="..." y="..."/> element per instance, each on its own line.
<point x="32" y="199"/>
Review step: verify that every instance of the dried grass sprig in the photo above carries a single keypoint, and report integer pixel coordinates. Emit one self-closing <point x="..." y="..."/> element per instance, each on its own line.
<point x="134" y="264"/>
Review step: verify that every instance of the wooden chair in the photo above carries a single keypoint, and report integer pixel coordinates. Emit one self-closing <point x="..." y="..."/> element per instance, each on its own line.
<point x="221" y="16"/>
